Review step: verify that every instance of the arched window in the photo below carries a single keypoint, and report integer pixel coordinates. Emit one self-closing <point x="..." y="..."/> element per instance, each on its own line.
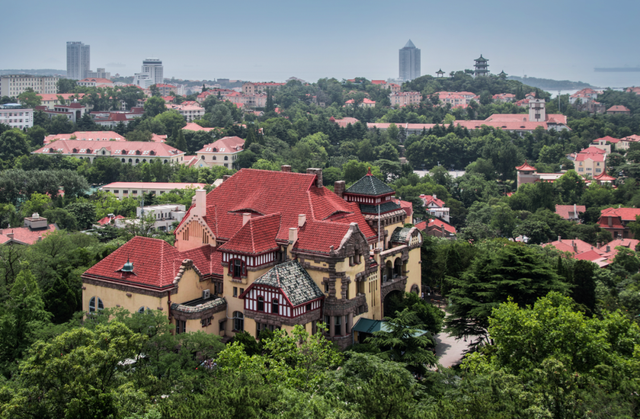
<point x="260" y="303"/>
<point x="143" y="308"/>
<point x="274" y="306"/>
<point x="104" y="152"/>
<point x="165" y="161"/>
<point x="130" y="161"/>
<point x="202" y="158"/>
<point x="123" y="160"/>
<point x="137" y="161"/>
<point x="214" y="158"/>
<point x="144" y="160"/>
<point x="226" y="157"/>
<point x="238" y="321"/>
<point x="92" y="305"/>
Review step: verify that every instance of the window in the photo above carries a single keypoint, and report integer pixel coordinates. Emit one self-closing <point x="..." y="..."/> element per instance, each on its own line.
<point x="326" y="287"/>
<point x="226" y="157"/>
<point x="241" y="291"/>
<point x="260" y="303"/>
<point x="214" y="158"/>
<point x="92" y="305"/>
<point x="141" y="309"/>
<point x="238" y="268"/>
<point x="274" y="306"/>
<point x="337" y="327"/>
<point x="309" y="307"/>
<point x="235" y="291"/>
<point x="181" y="326"/>
<point x="238" y="321"/>
<point x="206" y="322"/>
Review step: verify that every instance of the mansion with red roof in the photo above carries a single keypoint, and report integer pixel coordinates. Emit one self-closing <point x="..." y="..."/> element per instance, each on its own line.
<point x="616" y="220"/>
<point x="269" y="250"/>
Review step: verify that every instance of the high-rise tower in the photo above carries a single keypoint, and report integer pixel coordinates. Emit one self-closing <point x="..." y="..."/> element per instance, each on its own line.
<point x="78" y="60"/>
<point x="409" y="62"/>
<point x="152" y="73"/>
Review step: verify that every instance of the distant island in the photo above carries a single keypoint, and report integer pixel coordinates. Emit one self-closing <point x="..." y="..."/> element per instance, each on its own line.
<point x="548" y="84"/>
<point x="33" y="72"/>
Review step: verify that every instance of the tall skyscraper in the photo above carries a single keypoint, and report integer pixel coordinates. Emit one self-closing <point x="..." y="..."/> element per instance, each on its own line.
<point x="409" y="62"/>
<point x="152" y="73"/>
<point x="78" y="60"/>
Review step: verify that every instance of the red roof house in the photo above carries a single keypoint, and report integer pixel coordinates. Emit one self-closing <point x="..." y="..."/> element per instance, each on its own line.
<point x="616" y="220"/>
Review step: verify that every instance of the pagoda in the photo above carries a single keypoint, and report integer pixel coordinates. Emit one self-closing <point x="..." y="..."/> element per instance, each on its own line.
<point x="440" y="73"/>
<point x="603" y="178"/>
<point x="482" y="68"/>
<point x="527" y="174"/>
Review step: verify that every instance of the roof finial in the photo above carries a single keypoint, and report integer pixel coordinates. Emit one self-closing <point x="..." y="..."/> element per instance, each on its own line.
<point x="369" y="172"/>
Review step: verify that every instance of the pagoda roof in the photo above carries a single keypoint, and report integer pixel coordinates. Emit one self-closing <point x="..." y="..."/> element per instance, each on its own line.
<point x="384" y="208"/>
<point x="482" y="59"/>
<point x="604" y="177"/>
<point x="369" y="185"/>
<point x="440" y="72"/>
<point x="525" y="167"/>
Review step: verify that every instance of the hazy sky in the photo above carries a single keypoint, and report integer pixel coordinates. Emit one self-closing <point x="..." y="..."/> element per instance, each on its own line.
<point x="267" y="40"/>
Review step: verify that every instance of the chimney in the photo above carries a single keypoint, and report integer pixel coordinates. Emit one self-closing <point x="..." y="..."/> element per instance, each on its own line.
<point x="435" y="196"/>
<point x="285" y="168"/>
<point x="318" y="173"/>
<point x="246" y="216"/>
<point x="560" y="239"/>
<point x="201" y="203"/>
<point x="608" y="248"/>
<point x="575" y="247"/>
<point x="10" y="235"/>
<point x="293" y="235"/>
<point x="339" y="187"/>
<point x="302" y="218"/>
<point x="225" y="177"/>
<point x="575" y="211"/>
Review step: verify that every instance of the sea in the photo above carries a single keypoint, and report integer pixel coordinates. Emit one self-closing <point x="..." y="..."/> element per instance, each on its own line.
<point x="603" y="80"/>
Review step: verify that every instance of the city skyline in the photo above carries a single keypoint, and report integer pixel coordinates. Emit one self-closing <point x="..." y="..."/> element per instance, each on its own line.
<point x="298" y="40"/>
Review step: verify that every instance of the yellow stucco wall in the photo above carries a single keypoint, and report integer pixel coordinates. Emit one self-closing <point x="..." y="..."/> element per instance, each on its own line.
<point x="112" y="298"/>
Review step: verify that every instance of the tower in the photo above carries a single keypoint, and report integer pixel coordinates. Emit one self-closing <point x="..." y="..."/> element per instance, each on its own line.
<point x="78" y="60"/>
<point x="409" y="62"/>
<point x="153" y="67"/>
<point x="482" y="68"/>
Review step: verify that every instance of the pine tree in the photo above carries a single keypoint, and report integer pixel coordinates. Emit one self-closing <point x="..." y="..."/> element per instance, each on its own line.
<point x="181" y="143"/>
<point x="269" y="106"/>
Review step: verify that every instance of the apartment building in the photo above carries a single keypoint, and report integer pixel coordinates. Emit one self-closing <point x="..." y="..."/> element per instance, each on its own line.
<point x="223" y="152"/>
<point x="405" y="98"/>
<point x="16" y="116"/>
<point x="14" y="84"/>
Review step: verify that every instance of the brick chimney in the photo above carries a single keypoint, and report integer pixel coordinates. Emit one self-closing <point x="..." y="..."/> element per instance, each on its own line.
<point x="339" y="187"/>
<point x="293" y="235"/>
<point x="201" y="203"/>
<point x="246" y="216"/>
<point x="225" y="177"/>
<point x="318" y="173"/>
<point x="285" y="168"/>
<point x="302" y="218"/>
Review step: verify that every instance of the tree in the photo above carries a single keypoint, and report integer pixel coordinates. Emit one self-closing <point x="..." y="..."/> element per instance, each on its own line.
<point x="13" y="143"/>
<point x="62" y="218"/>
<point x="514" y="270"/>
<point x="221" y="116"/>
<point x="403" y="341"/>
<point x="155" y="91"/>
<point x="154" y="106"/>
<point x="181" y="143"/>
<point x="37" y="203"/>
<point x="21" y="316"/>
<point x="80" y="373"/>
<point x="66" y="85"/>
<point x="427" y="315"/>
<point x="84" y="213"/>
<point x="36" y="136"/>
<point x="29" y="98"/>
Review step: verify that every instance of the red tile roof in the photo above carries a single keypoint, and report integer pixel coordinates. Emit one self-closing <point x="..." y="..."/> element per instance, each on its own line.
<point x="567" y="211"/>
<point x="192" y="126"/>
<point x="406" y="206"/>
<point x="618" y="108"/>
<point x="525" y="167"/>
<point x="155" y="263"/>
<point x="107" y="219"/>
<point x="117" y="148"/>
<point x="430" y="199"/>
<point x="24" y="235"/>
<point x="86" y="135"/>
<point x="257" y="236"/>
<point x="434" y="222"/>
<point x="625" y="214"/>
<point x="573" y="246"/>
<point x="604" y="177"/>
<point x="46" y="97"/>
<point x="153" y="185"/>
<point x="607" y="138"/>
<point x="224" y="145"/>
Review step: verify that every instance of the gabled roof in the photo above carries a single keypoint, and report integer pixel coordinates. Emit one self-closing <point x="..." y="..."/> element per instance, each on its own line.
<point x="625" y="214"/>
<point x="117" y="148"/>
<point x="607" y="138"/>
<point x="224" y="145"/>
<point x="294" y="282"/>
<point x="24" y="235"/>
<point x="156" y="264"/>
<point x="430" y="199"/>
<point x="192" y="126"/>
<point x="618" y="108"/>
<point x="369" y="185"/>
<point x="604" y="177"/>
<point x="567" y="211"/>
<point x="257" y="236"/>
<point x="573" y="246"/>
<point x="434" y="222"/>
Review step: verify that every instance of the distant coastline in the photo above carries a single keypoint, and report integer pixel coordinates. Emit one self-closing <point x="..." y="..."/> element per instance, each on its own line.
<point x="616" y="69"/>
<point x="549" y="84"/>
<point x="34" y="72"/>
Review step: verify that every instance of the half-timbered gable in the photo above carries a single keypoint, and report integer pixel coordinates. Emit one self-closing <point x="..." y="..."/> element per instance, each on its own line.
<point x="285" y="295"/>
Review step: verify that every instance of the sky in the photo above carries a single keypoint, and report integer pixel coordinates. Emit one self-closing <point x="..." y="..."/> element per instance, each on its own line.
<point x="272" y="41"/>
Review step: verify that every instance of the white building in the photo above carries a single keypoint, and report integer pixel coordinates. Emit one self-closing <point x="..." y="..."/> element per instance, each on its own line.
<point x="135" y="189"/>
<point x="152" y="73"/>
<point x="78" y="60"/>
<point x="190" y="110"/>
<point x="15" y="116"/>
<point x="223" y="152"/>
<point x="165" y="215"/>
<point x="13" y="84"/>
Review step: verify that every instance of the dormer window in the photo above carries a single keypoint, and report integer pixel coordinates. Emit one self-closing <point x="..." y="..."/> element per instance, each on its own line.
<point x="238" y="268"/>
